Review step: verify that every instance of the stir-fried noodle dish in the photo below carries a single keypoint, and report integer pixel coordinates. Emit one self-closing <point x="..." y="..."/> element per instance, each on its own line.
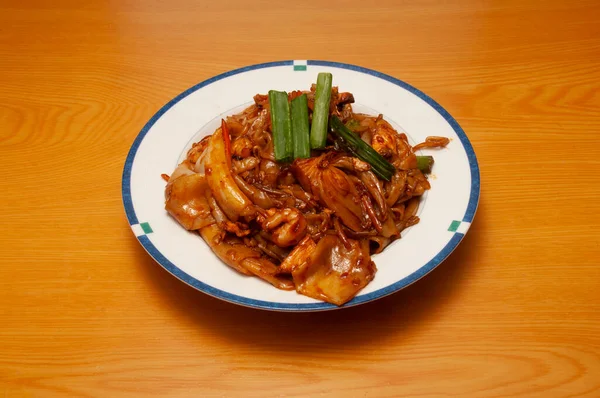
<point x="301" y="191"/>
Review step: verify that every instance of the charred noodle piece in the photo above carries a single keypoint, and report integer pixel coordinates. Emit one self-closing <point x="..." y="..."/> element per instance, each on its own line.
<point x="344" y="99"/>
<point x="228" y="195"/>
<point x="378" y="243"/>
<point x="318" y="130"/>
<point x="300" y="133"/>
<point x="281" y="126"/>
<point x="425" y="163"/>
<point x="381" y="167"/>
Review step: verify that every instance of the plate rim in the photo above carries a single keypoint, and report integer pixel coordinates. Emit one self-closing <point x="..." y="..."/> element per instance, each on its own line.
<point x="302" y="307"/>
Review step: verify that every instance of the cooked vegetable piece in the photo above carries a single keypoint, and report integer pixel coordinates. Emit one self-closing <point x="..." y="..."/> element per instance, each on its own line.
<point x="318" y="129"/>
<point x="281" y="126"/>
<point x="425" y="163"/>
<point x="357" y="147"/>
<point x="352" y="124"/>
<point x="300" y="131"/>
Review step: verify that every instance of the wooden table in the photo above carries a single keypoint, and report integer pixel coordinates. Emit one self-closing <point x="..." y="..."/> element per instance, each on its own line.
<point x="84" y="311"/>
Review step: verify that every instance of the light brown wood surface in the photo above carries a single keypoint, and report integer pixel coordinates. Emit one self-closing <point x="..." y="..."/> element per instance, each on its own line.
<point x="84" y="311"/>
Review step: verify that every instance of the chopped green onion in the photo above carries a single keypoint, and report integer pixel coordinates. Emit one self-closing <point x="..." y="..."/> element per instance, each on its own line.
<point x="425" y="163"/>
<point x="300" y="134"/>
<point x="357" y="147"/>
<point x="318" y="130"/>
<point x="281" y="126"/>
<point x="353" y="124"/>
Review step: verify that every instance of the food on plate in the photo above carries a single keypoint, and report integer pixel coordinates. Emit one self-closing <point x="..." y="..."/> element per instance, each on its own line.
<point x="301" y="191"/>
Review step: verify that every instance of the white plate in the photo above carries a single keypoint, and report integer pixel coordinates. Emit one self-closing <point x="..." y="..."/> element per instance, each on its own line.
<point x="446" y="211"/>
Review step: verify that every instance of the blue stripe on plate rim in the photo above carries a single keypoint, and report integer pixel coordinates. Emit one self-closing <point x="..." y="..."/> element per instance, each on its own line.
<point x="320" y="306"/>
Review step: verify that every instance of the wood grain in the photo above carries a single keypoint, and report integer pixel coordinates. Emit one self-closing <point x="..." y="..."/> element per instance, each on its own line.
<point x="513" y="312"/>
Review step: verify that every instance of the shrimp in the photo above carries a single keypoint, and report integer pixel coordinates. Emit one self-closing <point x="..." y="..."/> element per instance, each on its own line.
<point x="240" y="166"/>
<point x="286" y="226"/>
<point x="241" y="147"/>
<point x="246" y="260"/>
<point x="388" y="143"/>
<point x="269" y="172"/>
<point x="384" y="138"/>
<point x="228" y="195"/>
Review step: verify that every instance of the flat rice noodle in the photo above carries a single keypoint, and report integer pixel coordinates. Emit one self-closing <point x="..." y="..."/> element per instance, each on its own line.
<point x="334" y="273"/>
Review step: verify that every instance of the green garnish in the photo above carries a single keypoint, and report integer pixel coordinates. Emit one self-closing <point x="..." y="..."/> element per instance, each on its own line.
<point x="425" y="163"/>
<point x="357" y="147"/>
<point x="352" y="124"/>
<point x="318" y="130"/>
<point x="300" y="133"/>
<point x="281" y="126"/>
